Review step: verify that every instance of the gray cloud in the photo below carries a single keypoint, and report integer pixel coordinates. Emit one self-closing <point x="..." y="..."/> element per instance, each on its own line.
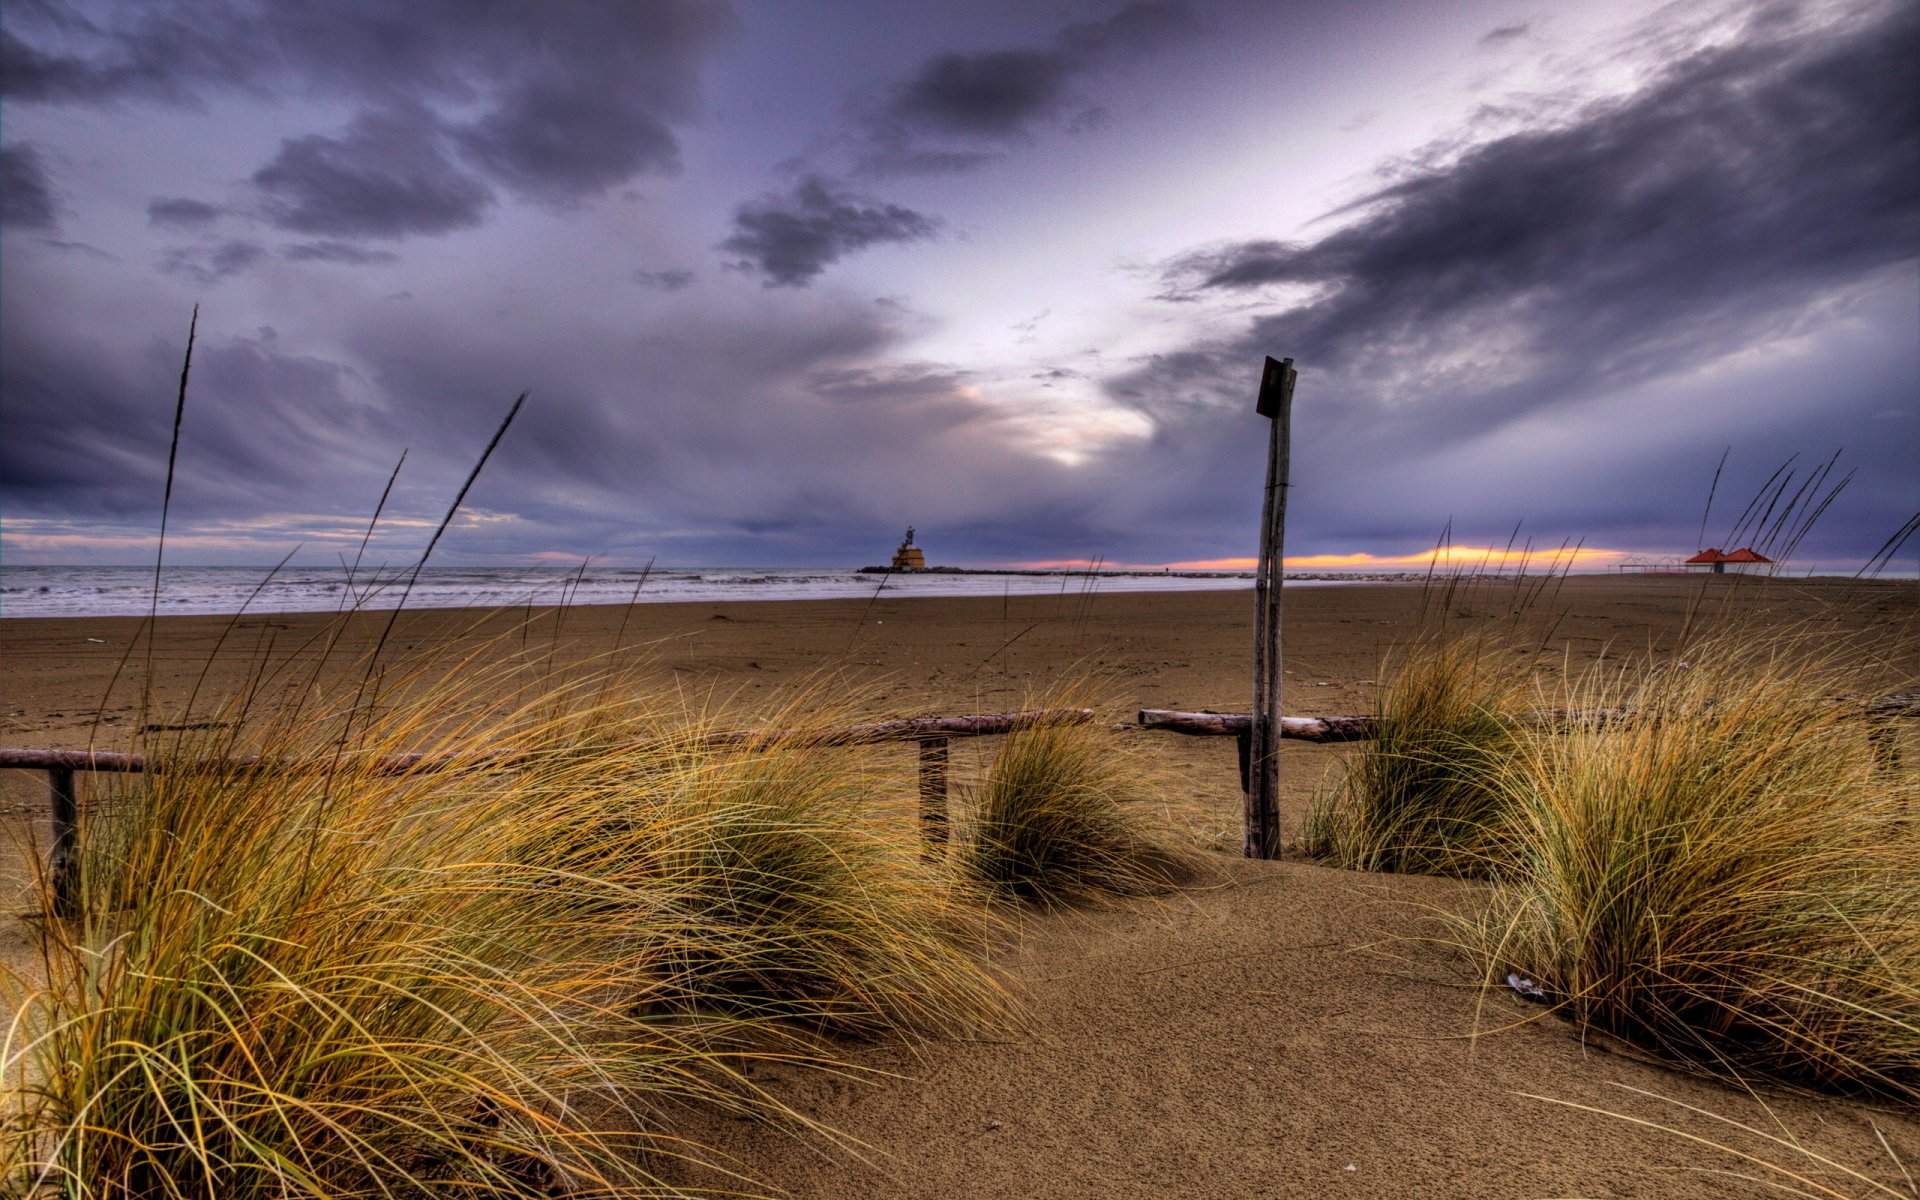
<point x="1699" y="214"/>
<point x="88" y="421"/>
<point x="182" y="213"/>
<point x="791" y="238"/>
<point x="555" y="103"/>
<point x="26" y="199"/>
<point x="1753" y="192"/>
<point x="912" y="382"/>
<point x="666" y="281"/>
<point x="1510" y="32"/>
<point x="81" y="248"/>
<point x="212" y="263"/>
<point x="343" y="253"/>
<point x="999" y="93"/>
<point x="990" y="99"/>
<point x="994" y="94"/>
<point x="125" y="54"/>
<point x="560" y="143"/>
<point x="389" y="176"/>
<point x="735" y="449"/>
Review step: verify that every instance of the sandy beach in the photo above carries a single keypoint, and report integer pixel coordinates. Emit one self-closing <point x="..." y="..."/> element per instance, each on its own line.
<point x="1285" y="1030"/>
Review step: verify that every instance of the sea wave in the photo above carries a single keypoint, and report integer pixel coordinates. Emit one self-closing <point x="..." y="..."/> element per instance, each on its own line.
<point x="129" y="591"/>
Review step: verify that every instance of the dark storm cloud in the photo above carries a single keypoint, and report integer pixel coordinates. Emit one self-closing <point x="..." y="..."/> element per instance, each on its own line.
<point x="1713" y="208"/>
<point x="88" y="421"/>
<point x="389" y="176"/>
<point x="152" y="55"/>
<point x="26" y="201"/>
<point x="554" y="103"/>
<point x="182" y="213"/>
<point x="998" y="93"/>
<point x="1753" y="191"/>
<point x="994" y="94"/>
<point x="790" y="238"/>
<point x="560" y="143"/>
<point x="990" y="98"/>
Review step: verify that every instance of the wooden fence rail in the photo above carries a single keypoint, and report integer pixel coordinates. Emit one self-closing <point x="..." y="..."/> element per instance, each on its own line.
<point x="1352" y="728"/>
<point x="933" y="734"/>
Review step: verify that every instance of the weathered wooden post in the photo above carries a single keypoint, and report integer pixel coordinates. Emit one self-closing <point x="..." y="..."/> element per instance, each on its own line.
<point x="63" y="862"/>
<point x="933" y="796"/>
<point x="1275" y="402"/>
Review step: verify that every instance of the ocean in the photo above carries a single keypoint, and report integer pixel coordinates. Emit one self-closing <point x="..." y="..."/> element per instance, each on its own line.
<point x="128" y="591"/>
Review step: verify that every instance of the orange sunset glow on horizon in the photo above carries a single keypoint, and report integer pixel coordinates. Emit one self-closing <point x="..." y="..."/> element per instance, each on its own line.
<point x="1439" y="556"/>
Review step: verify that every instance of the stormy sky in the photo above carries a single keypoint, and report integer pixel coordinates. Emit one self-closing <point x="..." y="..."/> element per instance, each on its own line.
<point x="783" y="278"/>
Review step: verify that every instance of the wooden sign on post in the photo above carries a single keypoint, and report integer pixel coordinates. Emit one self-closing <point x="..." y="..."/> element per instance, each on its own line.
<point x="1262" y="759"/>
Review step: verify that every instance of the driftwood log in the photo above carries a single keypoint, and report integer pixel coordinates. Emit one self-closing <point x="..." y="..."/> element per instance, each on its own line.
<point x="1306" y="729"/>
<point x="1353" y="728"/>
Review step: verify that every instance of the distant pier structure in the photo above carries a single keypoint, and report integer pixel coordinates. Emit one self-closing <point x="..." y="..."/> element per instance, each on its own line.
<point x="1744" y="561"/>
<point x="909" y="556"/>
<point x="1667" y="565"/>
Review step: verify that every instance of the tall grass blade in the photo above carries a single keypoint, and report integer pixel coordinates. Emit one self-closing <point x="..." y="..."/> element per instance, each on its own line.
<point x="1700" y="542"/>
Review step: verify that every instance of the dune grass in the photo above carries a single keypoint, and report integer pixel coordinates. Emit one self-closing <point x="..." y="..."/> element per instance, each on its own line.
<point x="1420" y="797"/>
<point x="503" y="968"/>
<point x="797" y="870"/>
<point x="1718" y="865"/>
<point x="1730" y="878"/>
<point x="342" y="980"/>
<point x="1063" y="815"/>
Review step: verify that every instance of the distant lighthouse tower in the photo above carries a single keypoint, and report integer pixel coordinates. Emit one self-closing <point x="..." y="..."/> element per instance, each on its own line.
<point x="908" y="557"/>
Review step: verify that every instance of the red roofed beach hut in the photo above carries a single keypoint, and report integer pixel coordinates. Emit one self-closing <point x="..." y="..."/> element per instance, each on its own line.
<point x="1745" y="561"/>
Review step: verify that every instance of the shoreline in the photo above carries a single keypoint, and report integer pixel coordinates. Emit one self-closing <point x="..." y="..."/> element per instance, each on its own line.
<point x="554" y="595"/>
<point x="1179" y="649"/>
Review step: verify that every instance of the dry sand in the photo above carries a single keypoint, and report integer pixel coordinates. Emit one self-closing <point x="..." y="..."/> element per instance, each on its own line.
<point x="1283" y="1032"/>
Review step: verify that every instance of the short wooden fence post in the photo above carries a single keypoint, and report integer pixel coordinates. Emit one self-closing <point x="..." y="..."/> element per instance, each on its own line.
<point x="63" y="863"/>
<point x="934" y="820"/>
<point x="1885" y="741"/>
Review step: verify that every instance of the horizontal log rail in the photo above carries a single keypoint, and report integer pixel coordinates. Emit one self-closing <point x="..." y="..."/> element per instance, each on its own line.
<point x="933" y="734"/>
<point x="1337" y="728"/>
<point x="1355" y="728"/>
<point x="912" y="728"/>
<point x="907" y="729"/>
<point x="1215" y="724"/>
<point x="1352" y="728"/>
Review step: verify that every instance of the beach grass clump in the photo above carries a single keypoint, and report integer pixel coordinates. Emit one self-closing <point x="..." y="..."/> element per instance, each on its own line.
<point x="1420" y="797"/>
<point x="1064" y="815"/>
<point x="1729" y="875"/>
<point x="313" y="974"/>
<point x="819" y="905"/>
<point x="334" y="983"/>
<point x="791" y="875"/>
